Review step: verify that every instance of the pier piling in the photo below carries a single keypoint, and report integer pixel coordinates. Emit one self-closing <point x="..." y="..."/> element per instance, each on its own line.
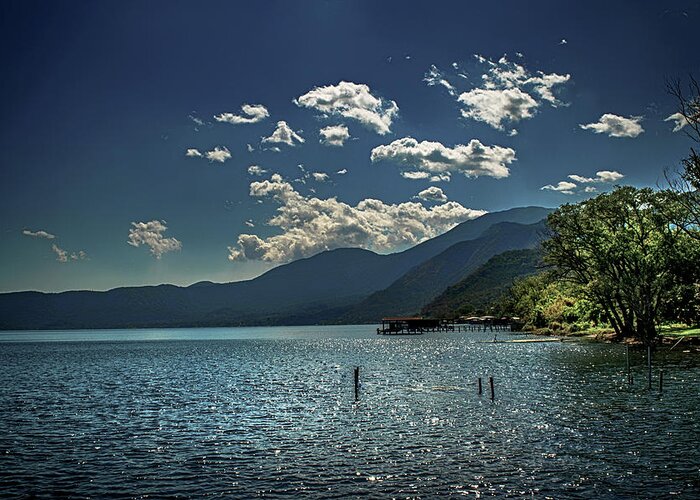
<point x="479" y="384"/>
<point x="492" y="392"/>
<point x="661" y="381"/>
<point x="629" y="371"/>
<point x="357" y="382"/>
<point x="649" y="365"/>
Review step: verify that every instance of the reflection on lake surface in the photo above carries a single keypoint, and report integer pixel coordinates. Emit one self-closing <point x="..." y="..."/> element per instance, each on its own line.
<point x="271" y="412"/>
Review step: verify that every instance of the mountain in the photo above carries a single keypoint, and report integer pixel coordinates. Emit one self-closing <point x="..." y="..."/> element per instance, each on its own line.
<point x="470" y="230"/>
<point x="321" y="282"/>
<point x="322" y="288"/>
<point x="478" y="290"/>
<point x="408" y="294"/>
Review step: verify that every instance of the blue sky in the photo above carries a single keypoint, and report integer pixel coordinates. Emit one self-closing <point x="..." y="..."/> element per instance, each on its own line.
<point x="116" y="171"/>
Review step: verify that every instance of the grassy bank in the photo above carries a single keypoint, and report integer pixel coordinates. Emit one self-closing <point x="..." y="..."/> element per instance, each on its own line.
<point x="680" y="331"/>
<point x="668" y="333"/>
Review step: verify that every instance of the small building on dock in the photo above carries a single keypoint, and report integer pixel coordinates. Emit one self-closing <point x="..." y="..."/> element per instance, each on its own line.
<point x="414" y="325"/>
<point x="484" y="323"/>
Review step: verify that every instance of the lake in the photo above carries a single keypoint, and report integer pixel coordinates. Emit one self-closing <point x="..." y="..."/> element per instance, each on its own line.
<point x="271" y="412"/>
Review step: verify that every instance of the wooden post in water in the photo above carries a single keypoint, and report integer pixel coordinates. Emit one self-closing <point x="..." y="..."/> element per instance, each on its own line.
<point x="649" y="364"/>
<point x="491" y="384"/>
<point x="629" y="371"/>
<point x="357" y="383"/>
<point x="661" y="381"/>
<point x="479" y="386"/>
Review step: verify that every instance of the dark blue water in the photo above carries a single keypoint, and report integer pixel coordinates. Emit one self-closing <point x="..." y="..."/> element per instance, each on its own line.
<point x="271" y="412"/>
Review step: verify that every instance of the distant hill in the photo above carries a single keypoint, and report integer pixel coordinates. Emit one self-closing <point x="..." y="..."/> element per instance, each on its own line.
<point x="421" y="284"/>
<point x="470" y="230"/>
<point x="318" y="289"/>
<point x="325" y="281"/>
<point x="486" y="284"/>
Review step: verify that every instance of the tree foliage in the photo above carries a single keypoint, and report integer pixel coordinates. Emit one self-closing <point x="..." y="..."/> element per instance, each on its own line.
<point x="633" y="254"/>
<point x="542" y="301"/>
<point x="624" y="253"/>
<point x="686" y="184"/>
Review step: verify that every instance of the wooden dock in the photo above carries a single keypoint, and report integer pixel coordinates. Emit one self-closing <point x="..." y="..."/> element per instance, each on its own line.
<point x="414" y="326"/>
<point x="418" y="325"/>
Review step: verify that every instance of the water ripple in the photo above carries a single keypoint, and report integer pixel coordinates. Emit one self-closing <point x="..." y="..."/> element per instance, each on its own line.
<point x="277" y="417"/>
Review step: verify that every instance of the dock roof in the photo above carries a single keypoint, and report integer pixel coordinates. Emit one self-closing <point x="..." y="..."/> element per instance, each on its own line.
<point x="404" y="318"/>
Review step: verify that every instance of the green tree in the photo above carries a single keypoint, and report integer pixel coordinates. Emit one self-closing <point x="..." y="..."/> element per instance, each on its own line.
<point x="544" y="301"/>
<point x="683" y="301"/>
<point x="686" y="184"/>
<point x="621" y="249"/>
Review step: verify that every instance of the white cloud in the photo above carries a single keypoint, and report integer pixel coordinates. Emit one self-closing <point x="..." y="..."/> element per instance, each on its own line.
<point x="252" y="113"/>
<point x="352" y="100"/>
<point x="151" y="234"/>
<point x="80" y="255"/>
<point x="608" y="176"/>
<point x="567" y="187"/>
<point x="342" y="171"/>
<point x="543" y="85"/>
<point x="305" y="175"/>
<point x="309" y="225"/>
<point x="283" y="134"/>
<point x="193" y="153"/>
<point x="681" y="121"/>
<point x="334" y="135"/>
<point x="497" y="106"/>
<point x="580" y="178"/>
<point x="63" y="256"/>
<point x="509" y="93"/>
<point x="219" y="154"/>
<point x="414" y="176"/>
<point x="505" y="74"/>
<point x="197" y="121"/>
<point x="563" y="187"/>
<point x="250" y="148"/>
<point x="38" y="234"/>
<point x="563" y="41"/>
<point x="256" y="170"/>
<point x="249" y="223"/>
<point x="616" y="126"/>
<point x="473" y="159"/>
<point x="434" y="77"/>
<point x="432" y="193"/>
<point x="445" y="177"/>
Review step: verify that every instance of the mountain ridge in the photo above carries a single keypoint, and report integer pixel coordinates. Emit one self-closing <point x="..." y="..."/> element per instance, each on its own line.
<point x="485" y="284"/>
<point x="308" y="289"/>
<point x="408" y="294"/>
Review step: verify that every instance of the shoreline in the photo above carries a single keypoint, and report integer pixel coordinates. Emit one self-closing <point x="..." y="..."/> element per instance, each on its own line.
<point x="608" y="336"/>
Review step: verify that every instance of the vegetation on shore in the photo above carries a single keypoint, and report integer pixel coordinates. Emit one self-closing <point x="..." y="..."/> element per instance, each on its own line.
<point x="473" y="295"/>
<point x="627" y="261"/>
